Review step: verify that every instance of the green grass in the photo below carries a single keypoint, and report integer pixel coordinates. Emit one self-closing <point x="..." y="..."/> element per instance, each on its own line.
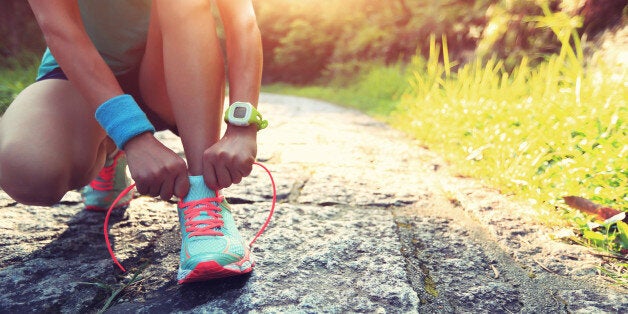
<point x="538" y="133"/>
<point x="545" y="132"/>
<point x="375" y="91"/>
<point x="19" y="73"/>
<point x="116" y="290"/>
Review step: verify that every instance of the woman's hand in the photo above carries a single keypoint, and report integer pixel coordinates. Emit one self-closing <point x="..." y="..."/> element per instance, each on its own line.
<point x="157" y="170"/>
<point x="231" y="158"/>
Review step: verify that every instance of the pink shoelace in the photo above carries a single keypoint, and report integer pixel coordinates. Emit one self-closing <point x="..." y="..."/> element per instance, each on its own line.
<point x="194" y="225"/>
<point x="106" y="175"/>
<point x="205" y="227"/>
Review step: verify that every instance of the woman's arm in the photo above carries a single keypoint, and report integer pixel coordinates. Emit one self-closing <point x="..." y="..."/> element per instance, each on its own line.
<point x="156" y="169"/>
<point x="194" y="75"/>
<point x="244" y="49"/>
<point x="231" y="159"/>
<point x="62" y="26"/>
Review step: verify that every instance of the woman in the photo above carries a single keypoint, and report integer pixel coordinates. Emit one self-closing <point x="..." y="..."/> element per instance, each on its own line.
<point x="115" y="72"/>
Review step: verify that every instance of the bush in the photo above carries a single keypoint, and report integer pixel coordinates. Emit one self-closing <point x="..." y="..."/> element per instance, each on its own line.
<point x="19" y="73"/>
<point x="540" y="132"/>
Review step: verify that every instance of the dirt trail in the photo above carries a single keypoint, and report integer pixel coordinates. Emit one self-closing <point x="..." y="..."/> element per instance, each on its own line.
<point x="367" y="222"/>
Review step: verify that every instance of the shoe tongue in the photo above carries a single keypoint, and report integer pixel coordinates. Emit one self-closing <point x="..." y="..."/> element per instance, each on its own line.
<point x="198" y="190"/>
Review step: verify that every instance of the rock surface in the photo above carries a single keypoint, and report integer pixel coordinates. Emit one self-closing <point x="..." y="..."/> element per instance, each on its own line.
<point x="367" y="221"/>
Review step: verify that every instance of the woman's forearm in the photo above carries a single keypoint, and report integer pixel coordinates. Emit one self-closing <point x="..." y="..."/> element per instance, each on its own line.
<point x="244" y="50"/>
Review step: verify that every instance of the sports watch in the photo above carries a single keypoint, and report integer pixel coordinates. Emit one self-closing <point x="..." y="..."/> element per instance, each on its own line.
<point x="244" y="114"/>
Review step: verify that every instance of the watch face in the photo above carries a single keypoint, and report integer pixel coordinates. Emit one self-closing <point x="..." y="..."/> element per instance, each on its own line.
<point x="239" y="112"/>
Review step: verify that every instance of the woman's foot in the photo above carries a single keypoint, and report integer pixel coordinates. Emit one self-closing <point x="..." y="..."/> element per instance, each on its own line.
<point x="211" y="244"/>
<point x="105" y="188"/>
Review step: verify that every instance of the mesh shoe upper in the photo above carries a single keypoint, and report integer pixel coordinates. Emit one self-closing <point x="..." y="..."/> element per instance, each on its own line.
<point x="208" y="232"/>
<point x="104" y="189"/>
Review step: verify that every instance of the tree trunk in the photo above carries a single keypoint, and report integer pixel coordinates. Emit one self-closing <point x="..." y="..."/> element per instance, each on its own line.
<point x="16" y="32"/>
<point x="601" y="14"/>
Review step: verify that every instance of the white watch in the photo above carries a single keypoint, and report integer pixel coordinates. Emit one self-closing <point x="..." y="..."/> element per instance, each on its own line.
<point x="244" y="114"/>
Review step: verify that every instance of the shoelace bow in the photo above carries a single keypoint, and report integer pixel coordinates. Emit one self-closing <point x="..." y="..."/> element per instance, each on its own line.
<point x="202" y="227"/>
<point x="195" y="225"/>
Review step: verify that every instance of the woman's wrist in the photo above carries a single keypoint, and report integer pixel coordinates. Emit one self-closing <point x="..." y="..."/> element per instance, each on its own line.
<point x="248" y="131"/>
<point x="122" y="119"/>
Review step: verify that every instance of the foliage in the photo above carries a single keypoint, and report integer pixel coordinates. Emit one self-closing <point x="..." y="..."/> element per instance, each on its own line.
<point x="315" y="41"/>
<point x="310" y="40"/>
<point x="19" y="73"/>
<point x="540" y="131"/>
<point x="116" y="290"/>
<point x="298" y="39"/>
<point x="19" y="32"/>
<point x="376" y="90"/>
<point x="509" y="35"/>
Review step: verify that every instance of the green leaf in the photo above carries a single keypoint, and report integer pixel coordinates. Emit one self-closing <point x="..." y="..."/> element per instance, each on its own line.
<point x="596" y="238"/>
<point x="622" y="229"/>
<point x="577" y="133"/>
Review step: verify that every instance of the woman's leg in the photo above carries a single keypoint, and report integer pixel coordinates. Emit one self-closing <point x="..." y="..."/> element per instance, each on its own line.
<point x="183" y="71"/>
<point x="182" y="76"/>
<point x="50" y="143"/>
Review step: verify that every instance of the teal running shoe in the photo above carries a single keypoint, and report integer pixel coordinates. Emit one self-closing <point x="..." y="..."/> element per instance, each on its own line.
<point x="211" y="245"/>
<point x="110" y="182"/>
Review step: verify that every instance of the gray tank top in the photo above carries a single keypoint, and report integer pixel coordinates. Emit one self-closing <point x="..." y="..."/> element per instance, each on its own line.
<point x="118" y="29"/>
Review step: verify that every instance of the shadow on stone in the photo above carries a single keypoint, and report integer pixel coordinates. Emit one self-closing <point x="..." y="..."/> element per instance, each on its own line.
<point x="52" y="277"/>
<point x="174" y="297"/>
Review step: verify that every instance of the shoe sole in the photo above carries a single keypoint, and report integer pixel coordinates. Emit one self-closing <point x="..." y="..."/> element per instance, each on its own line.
<point x="212" y="270"/>
<point x="205" y="271"/>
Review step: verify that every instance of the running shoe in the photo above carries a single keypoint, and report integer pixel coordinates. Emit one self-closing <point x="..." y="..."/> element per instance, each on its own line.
<point x="211" y="245"/>
<point x="110" y="182"/>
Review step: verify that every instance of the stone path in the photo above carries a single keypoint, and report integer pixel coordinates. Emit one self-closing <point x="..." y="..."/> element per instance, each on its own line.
<point x="367" y="221"/>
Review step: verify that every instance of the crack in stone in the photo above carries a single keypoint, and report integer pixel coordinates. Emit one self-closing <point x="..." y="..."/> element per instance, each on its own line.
<point x="69" y="203"/>
<point x="238" y="201"/>
<point x="9" y="204"/>
<point x="413" y="273"/>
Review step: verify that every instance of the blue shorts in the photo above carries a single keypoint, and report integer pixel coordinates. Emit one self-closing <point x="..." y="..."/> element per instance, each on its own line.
<point x="56" y="73"/>
<point x="130" y="85"/>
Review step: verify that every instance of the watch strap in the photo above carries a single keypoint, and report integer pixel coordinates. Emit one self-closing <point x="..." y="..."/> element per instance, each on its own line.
<point x="255" y="117"/>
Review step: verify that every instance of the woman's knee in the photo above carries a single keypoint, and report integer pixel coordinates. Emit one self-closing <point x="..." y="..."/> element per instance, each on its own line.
<point x="48" y="143"/>
<point x="29" y="181"/>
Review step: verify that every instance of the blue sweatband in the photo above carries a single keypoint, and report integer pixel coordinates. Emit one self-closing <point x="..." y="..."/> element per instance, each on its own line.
<point x="123" y="119"/>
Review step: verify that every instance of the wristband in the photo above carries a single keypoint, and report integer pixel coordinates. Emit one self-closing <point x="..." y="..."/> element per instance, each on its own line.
<point x="123" y="119"/>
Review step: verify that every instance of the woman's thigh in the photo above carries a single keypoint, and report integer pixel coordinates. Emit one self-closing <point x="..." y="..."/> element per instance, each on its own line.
<point x="152" y="79"/>
<point x="159" y="84"/>
<point x="50" y="143"/>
